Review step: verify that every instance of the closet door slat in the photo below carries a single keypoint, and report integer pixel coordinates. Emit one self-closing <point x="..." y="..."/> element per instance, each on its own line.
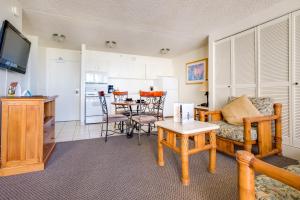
<point x="280" y="95"/>
<point x="244" y="58"/>
<point x="222" y="95"/>
<point x="274" y="52"/>
<point x="297" y="80"/>
<point x="274" y="59"/>
<point x="251" y="92"/>
<point x="223" y="63"/>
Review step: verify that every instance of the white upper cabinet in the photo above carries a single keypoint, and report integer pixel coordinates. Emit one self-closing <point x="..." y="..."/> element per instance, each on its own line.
<point x="158" y="67"/>
<point x="138" y="68"/>
<point x="128" y="66"/>
<point x="244" y="58"/>
<point x="94" y="61"/>
<point x="274" y="51"/>
<point x="223" y="63"/>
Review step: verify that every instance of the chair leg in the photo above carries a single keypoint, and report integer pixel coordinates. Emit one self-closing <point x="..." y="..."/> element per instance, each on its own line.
<point x="106" y="132"/>
<point x="139" y="133"/>
<point x="101" y="129"/>
<point x="122" y="127"/>
<point x="149" y="129"/>
<point x="127" y="127"/>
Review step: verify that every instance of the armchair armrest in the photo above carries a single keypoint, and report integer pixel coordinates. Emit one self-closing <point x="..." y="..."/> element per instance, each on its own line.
<point x="248" y="164"/>
<point x="211" y="115"/>
<point x="264" y="130"/>
<point x="260" y="118"/>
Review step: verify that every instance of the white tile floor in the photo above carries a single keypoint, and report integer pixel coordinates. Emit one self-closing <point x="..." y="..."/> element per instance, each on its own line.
<point x="73" y="130"/>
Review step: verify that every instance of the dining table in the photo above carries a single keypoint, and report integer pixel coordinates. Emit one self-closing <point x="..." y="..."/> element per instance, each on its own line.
<point x="128" y="104"/>
<point x="125" y="104"/>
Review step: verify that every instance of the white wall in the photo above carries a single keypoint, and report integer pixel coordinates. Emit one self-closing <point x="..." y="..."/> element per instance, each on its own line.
<point x="6" y="14"/>
<point x="189" y="92"/>
<point x="6" y="77"/>
<point x="38" y="75"/>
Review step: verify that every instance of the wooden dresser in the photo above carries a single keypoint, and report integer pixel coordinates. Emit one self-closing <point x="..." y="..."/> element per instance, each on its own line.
<point x="27" y="133"/>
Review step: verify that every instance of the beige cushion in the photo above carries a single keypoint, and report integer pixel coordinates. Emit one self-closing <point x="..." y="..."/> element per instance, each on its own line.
<point x="235" y="111"/>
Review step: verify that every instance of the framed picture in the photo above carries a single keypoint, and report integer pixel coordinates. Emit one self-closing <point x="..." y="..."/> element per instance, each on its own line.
<point x="196" y="72"/>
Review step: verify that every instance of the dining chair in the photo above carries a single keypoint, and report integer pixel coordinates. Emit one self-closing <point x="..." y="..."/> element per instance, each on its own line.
<point x="161" y="106"/>
<point x="120" y="96"/>
<point x="115" y="118"/>
<point x="149" y="102"/>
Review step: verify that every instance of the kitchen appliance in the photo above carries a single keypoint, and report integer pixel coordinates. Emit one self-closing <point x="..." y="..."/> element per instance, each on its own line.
<point x="95" y="82"/>
<point x="170" y="85"/>
<point x="110" y="88"/>
<point x="14" y="49"/>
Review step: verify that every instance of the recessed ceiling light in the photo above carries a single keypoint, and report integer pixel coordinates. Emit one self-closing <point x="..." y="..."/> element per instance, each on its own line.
<point x="58" y="37"/>
<point x="164" y="51"/>
<point x="110" y="44"/>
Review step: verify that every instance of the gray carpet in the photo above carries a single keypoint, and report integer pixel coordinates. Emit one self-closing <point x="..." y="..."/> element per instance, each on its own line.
<point x="120" y="169"/>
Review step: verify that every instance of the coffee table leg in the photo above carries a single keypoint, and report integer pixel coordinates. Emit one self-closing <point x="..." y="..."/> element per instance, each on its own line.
<point x="160" y="150"/>
<point x="185" y="159"/>
<point x="212" y="152"/>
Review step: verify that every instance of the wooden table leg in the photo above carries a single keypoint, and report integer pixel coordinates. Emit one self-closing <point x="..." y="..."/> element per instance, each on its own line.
<point x="185" y="159"/>
<point x="212" y="152"/>
<point x="160" y="149"/>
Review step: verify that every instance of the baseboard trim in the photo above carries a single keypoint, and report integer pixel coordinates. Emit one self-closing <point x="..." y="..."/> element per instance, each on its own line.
<point x="291" y="152"/>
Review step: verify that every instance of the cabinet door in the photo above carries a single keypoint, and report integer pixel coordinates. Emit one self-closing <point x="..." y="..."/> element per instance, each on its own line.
<point x="223" y="63"/>
<point x="21" y="136"/>
<point x="274" y="67"/>
<point x="222" y="72"/>
<point x="158" y="67"/>
<point x="221" y="97"/>
<point x="296" y="81"/>
<point x="244" y="64"/>
<point x="137" y="68"/>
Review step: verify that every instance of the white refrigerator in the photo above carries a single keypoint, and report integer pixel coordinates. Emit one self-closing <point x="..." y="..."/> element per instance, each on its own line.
<point x="170" y="85"/>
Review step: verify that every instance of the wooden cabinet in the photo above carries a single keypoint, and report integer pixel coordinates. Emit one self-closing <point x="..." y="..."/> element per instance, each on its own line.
<point x="27" y="133"/>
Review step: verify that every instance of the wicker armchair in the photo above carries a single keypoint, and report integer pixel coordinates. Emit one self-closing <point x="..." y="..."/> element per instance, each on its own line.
<point x="256" y="131"/>
<point x="273" y="183"/>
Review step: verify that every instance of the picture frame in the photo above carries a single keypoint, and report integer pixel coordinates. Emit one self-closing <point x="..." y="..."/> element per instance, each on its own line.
<point x="197" y="72"/>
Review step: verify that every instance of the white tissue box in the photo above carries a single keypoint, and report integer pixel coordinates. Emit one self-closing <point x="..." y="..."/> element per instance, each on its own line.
<point x="183" y="112"/>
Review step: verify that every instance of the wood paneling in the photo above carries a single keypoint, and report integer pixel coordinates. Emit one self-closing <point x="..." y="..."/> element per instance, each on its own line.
<point x="23" y="143"/>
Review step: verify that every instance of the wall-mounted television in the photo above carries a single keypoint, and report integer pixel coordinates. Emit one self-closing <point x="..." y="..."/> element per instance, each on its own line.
<point x="14" y="49"/>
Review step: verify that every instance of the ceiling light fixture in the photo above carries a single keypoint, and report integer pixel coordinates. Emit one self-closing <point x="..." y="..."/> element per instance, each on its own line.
<point x="58" y="37"/>
<point x="110" y="44"/>
<point x="164" y="51"/>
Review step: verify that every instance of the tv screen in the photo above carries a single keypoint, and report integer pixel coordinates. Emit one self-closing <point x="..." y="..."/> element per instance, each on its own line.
<point x="14" y="49"/>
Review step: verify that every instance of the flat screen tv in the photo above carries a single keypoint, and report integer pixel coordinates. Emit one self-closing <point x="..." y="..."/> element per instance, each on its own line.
<point x="14" y="49"/>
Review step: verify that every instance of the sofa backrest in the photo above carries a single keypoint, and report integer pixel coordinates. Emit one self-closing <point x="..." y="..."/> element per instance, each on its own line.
<point x="263" y="104"/>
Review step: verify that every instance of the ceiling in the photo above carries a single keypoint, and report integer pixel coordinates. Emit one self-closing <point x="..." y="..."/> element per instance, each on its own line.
<point x="140" y="27"/>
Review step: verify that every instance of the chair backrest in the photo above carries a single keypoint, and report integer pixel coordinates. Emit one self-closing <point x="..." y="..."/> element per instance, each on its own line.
<point x="120" y="95"/>
<point x="150" y="101"/>
<point x="161" y="106"/>
<point x="263" y="104"/>
<point x="103" y="102"/>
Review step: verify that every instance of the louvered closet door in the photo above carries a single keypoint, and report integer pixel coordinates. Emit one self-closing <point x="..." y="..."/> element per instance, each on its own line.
<point x="244" y="64"/>
<point x="296" y="81"/>
<point x="223" y="72"/>
<point x="274" y="67"/>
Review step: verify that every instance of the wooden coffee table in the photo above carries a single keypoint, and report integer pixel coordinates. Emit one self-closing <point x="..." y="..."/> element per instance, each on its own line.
<point x="168" y="133"/>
